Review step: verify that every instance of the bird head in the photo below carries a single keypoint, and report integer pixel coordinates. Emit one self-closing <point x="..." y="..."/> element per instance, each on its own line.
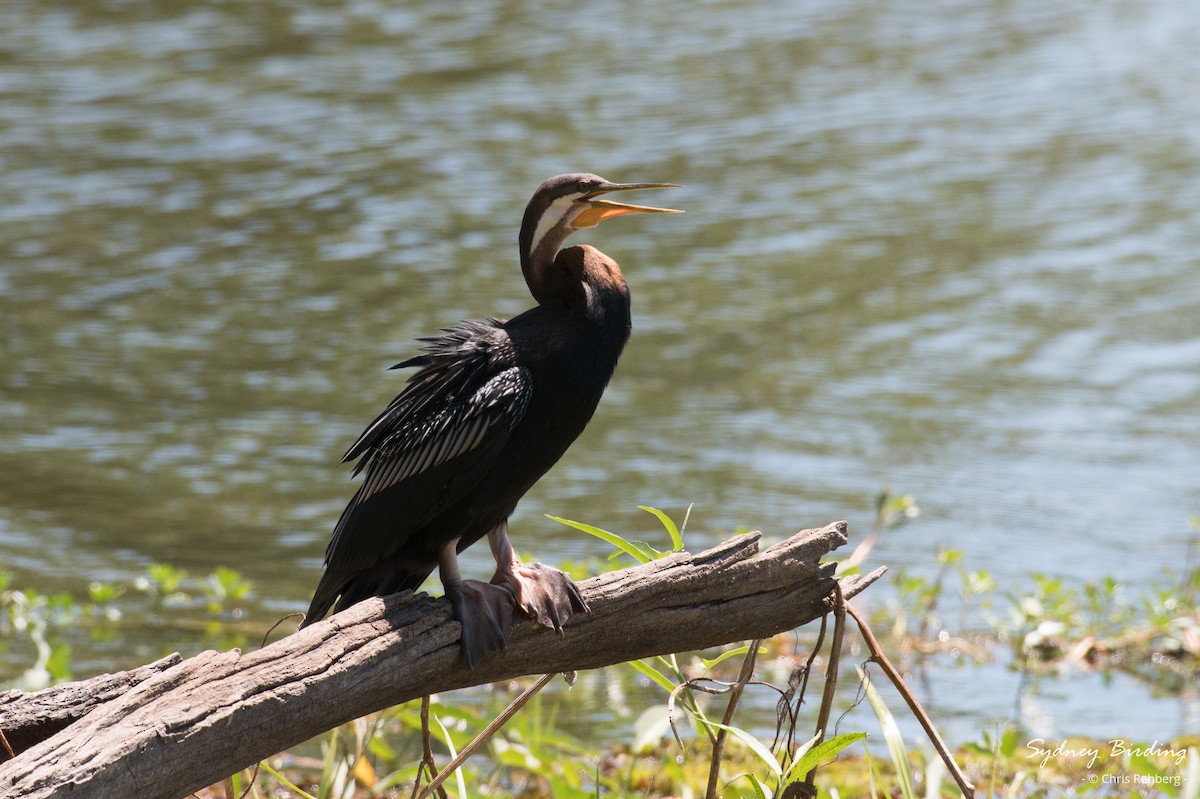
<point x="567" y="203"/>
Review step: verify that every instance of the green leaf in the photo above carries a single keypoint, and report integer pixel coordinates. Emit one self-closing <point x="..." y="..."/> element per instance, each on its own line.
<point x="651" y="552"/>
<point x="103" y="593"/>
<point x="947" y="557"/>
<point x="378" y="746"/>
<point x="672" y="530"/>
<point x="741" y="650"/>
<point x="799" y="761"/>
<point x="1008" y="742"/>
<point x="672" y="663"/>
<point x="617" y="541"/>
<point x="165" y="578"/>
<point x="59" y="663"/>
<point x="507" y="753"/>
<point x="821" y="753"/>
<point x="654" y="674"/>
<point x="753" y="744"/>
<point x="760" y="790"/>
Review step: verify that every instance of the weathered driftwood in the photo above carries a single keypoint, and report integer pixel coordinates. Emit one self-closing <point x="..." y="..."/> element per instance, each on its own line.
<point x="213" y="714"/>
<point x="29" y="718"/>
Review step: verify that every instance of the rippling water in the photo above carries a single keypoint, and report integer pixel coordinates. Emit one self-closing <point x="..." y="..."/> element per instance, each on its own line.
<point x="950" y="247"/>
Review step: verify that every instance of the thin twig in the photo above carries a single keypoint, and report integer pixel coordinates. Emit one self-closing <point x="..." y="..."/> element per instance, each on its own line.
<point x="689" y="685"/>
<point x="272" y="628"/>
<point x="709" y="686"/>
<point x="800" y="692"/>
<point x="877" y="655"/>
<point x="831" y="671"/>
<point x="812" y="656"/>
<point x="427" y="761"/>
<point x="686" y="687"/>
<point x="493" y="726"/>
<point x="8" y="750"/>
<point x="249" y="782"/>
<point x="835" y="655"/>
<point x="735" y="695"/>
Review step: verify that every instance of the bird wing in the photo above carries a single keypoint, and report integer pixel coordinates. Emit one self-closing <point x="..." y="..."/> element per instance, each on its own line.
<point x="433" y="443"/>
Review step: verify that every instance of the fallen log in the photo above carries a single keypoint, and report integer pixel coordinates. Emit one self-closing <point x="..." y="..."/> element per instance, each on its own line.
<point x="194" y="723"/>
<point x="28" y="718"/>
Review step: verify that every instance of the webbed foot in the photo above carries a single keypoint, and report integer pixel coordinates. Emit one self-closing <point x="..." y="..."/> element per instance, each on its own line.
<point x="485" y="612"/>
<point x="543" y="593"/>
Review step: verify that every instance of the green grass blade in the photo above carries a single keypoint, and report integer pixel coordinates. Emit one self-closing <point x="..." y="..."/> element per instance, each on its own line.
<point x="876" y="777"/>
<point x="760" y="790"/>
<point x="891" y="735"/>
<point x="721" y="658"/>
<point x="329" y="767"/>
<point x="649" y="551"/>
<point x="672" y="663"/>
<point x="672" y="529"/>
<point x="458" y="773"/>
<point x="654" y="674"/>
<point x="754" y="745"/>
<point x="617" y="541"/>
<point x="284" y="781"/>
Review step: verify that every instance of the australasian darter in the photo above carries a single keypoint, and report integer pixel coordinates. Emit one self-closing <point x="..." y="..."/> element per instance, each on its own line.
<point x="492" y="406"/>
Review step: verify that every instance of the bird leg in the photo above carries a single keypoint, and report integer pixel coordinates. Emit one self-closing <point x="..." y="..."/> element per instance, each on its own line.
<point x="543" y="593"/>
<point x="484" y="610"/>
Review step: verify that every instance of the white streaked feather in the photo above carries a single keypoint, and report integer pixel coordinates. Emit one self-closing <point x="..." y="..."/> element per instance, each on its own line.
<point x="449" y="435"/>
<point x="427" y="458"/>
<point x="457" y="445"/>
<point x="476" y="436"/>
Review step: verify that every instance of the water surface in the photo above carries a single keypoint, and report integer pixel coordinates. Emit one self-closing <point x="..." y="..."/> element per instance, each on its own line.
<point x="948" y="247"/>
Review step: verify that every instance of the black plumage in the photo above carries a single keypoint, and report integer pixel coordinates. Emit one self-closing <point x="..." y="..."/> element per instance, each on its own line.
<point x="492" y="406"/>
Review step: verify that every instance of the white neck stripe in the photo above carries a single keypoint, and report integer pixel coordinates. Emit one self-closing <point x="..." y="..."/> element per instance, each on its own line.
<point x="551" y="218"/>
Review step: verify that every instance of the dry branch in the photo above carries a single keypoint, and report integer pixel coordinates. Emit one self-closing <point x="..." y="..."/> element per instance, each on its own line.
<point x="218" y="712"/>
<point x="29" y="718"/>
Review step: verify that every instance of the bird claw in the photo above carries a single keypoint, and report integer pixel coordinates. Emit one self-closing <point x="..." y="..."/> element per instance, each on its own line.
<point x="543" y="593"/>
<point x="485" y="613"/>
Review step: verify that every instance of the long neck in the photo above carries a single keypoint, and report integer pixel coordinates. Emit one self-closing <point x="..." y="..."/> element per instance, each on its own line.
<point x="537" y="259"/>
<point x="544" y="280"/>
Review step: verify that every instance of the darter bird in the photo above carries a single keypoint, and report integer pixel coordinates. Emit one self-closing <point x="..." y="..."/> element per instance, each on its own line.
<point x="492" y="406"/>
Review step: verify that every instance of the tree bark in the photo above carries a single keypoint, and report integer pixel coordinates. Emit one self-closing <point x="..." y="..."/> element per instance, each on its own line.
<point x="29" y="718"/>
<point x="195" y="723"/>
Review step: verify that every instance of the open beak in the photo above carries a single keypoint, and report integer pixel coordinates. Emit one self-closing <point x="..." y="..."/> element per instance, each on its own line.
<point x="599" y="210"/>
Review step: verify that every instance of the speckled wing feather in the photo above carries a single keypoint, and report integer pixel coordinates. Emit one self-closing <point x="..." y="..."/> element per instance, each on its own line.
<point x="466" y="398"/>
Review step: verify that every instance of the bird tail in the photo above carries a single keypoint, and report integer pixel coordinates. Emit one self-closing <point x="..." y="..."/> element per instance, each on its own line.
<point x="328" y="590"/>
<point x="338" y="590"/>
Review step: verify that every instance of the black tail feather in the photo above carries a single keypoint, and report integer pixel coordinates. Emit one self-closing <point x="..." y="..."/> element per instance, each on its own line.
<point x="338" y="590"/>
